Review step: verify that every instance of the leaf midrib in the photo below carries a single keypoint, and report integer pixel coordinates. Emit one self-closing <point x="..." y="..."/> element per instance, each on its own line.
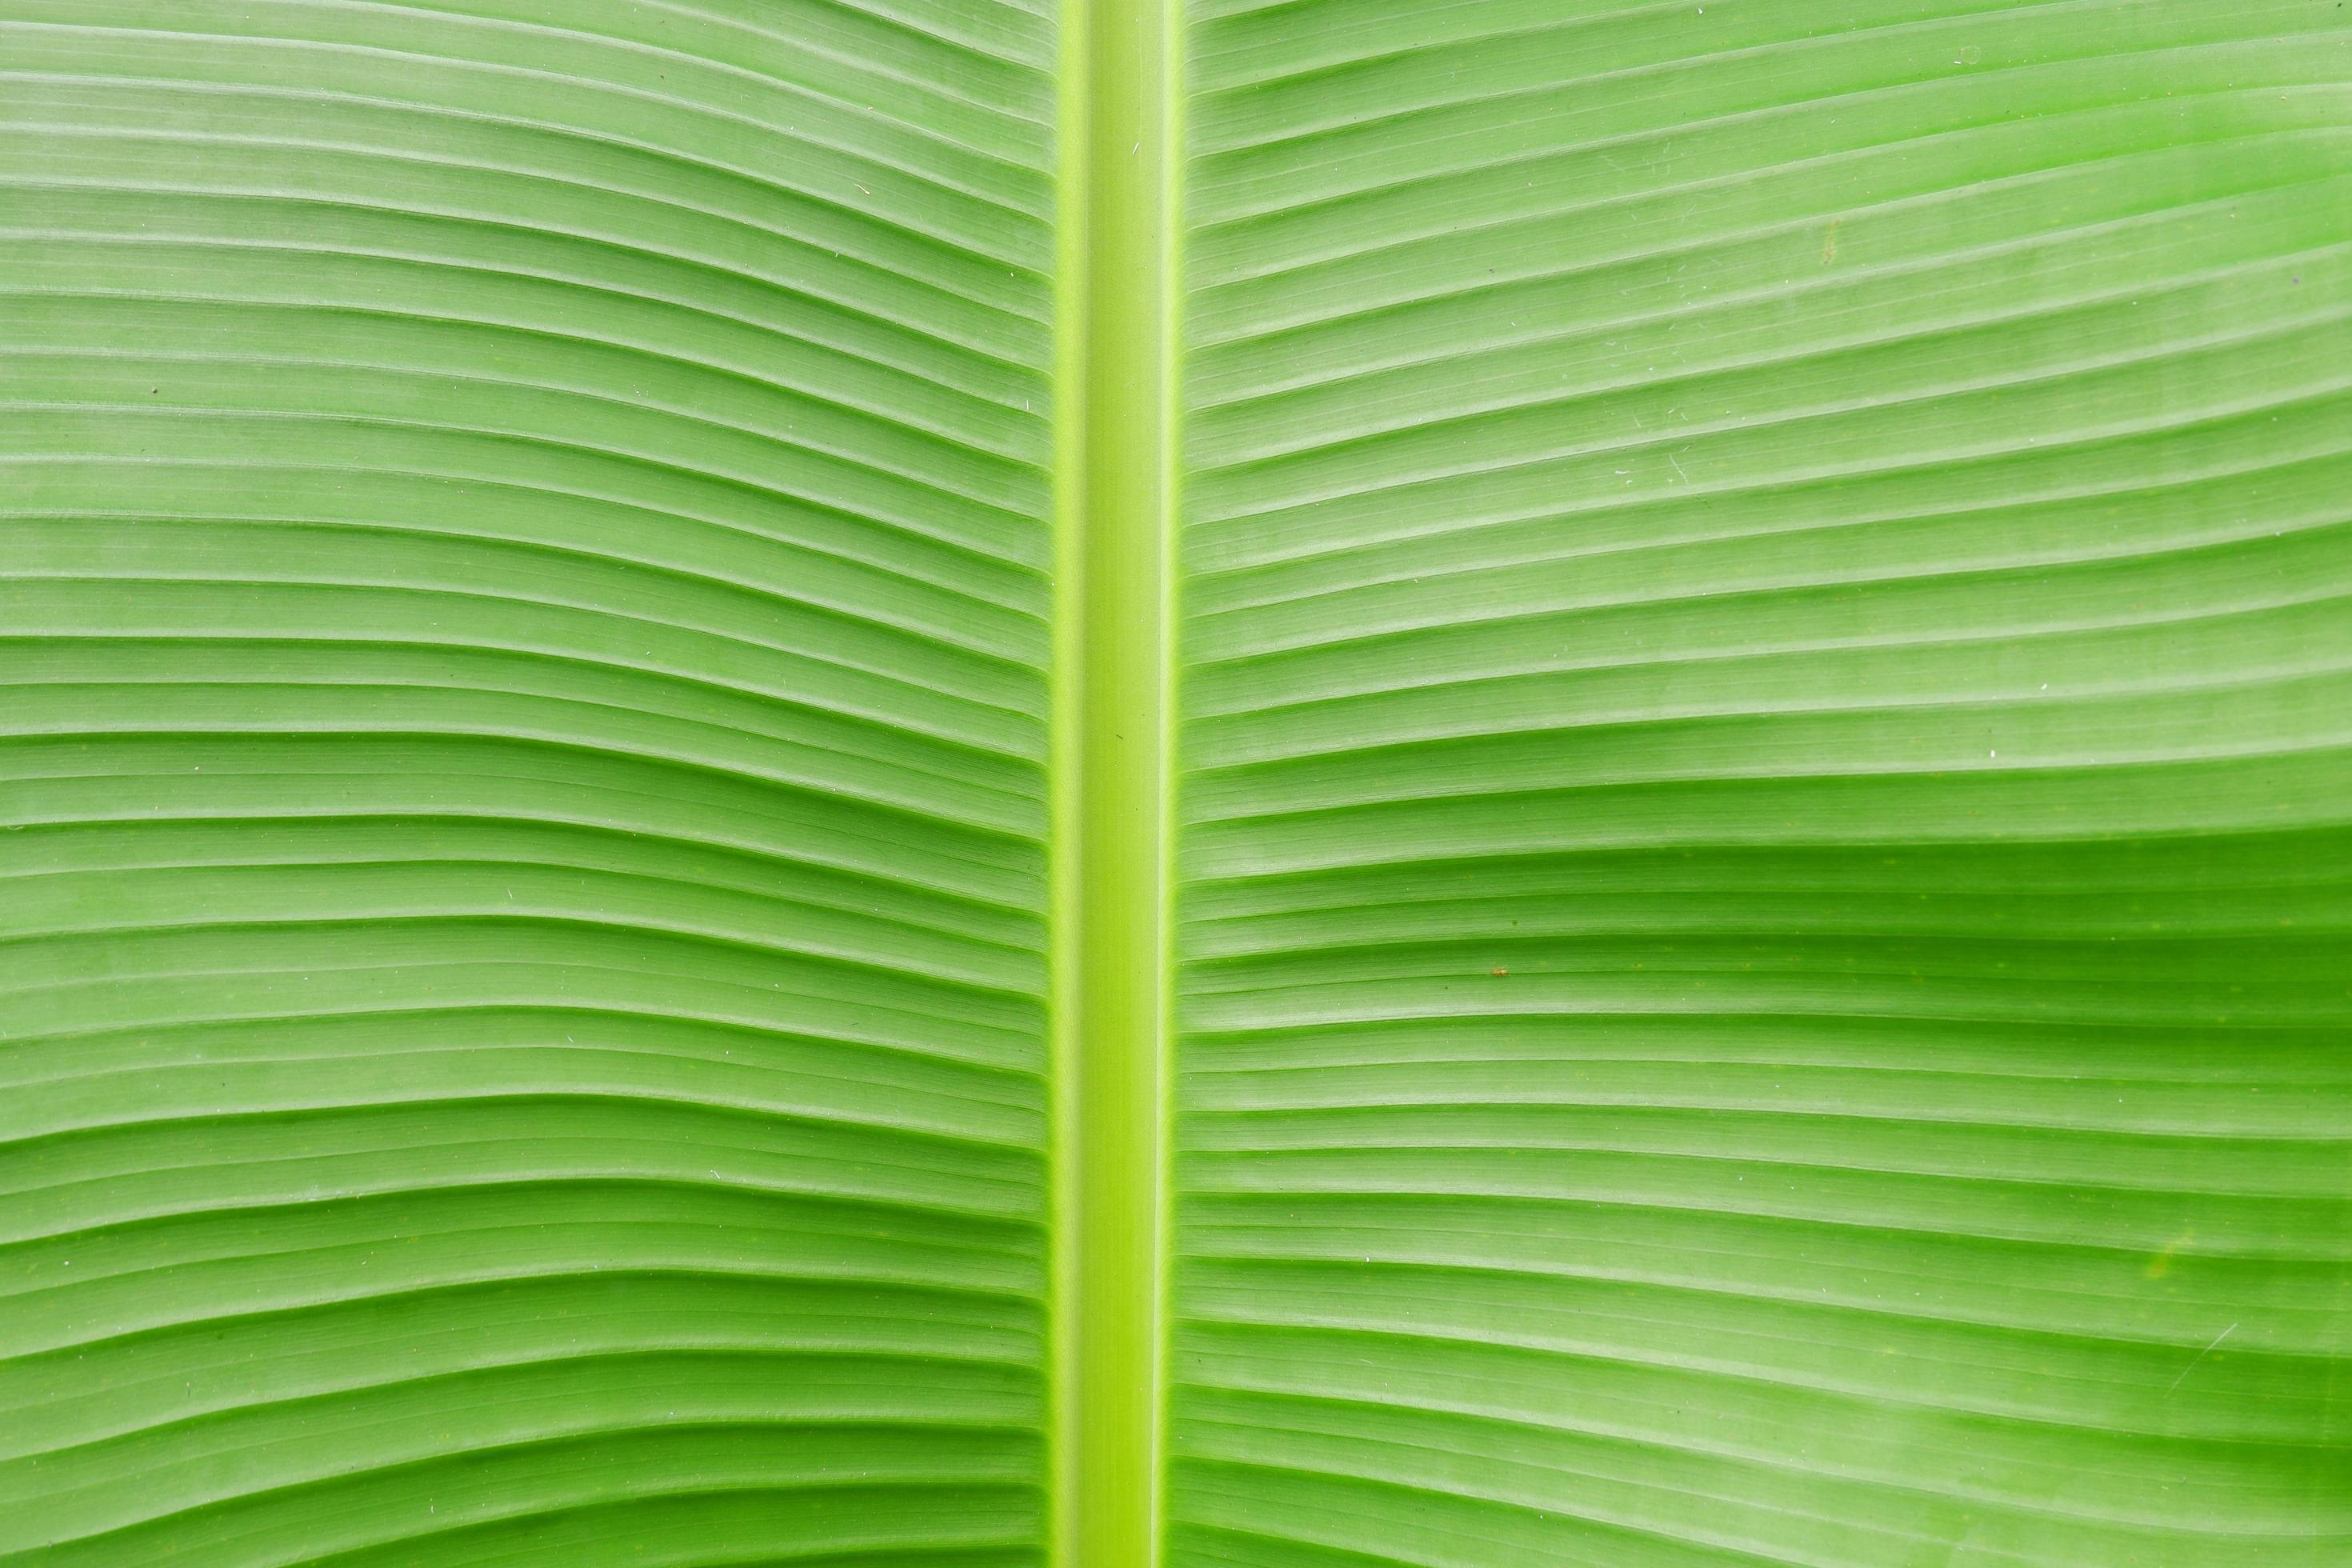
<point x="1114" y="374"/>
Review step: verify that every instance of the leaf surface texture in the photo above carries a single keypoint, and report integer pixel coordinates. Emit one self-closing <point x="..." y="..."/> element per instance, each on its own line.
<point x="1759" y="779"/>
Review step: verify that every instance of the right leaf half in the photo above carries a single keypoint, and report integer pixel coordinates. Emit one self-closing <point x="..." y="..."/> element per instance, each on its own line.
<point x="1767" y="843"/>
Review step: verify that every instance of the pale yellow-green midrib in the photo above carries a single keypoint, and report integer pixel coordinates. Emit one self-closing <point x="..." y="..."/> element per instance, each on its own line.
<point x="1115" y="456"/>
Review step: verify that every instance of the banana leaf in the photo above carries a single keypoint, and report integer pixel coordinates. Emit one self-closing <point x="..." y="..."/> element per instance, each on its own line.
<point x="1176" y="783"/>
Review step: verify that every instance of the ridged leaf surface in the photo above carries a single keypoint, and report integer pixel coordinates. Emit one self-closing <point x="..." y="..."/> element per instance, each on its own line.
<point x="1764" y="870"/>
<point x="525" y="619"/>
<point x="1725" y="642"/>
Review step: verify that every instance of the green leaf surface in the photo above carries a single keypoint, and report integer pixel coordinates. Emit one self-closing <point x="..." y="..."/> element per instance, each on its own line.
<point x="528" y="611"/>
<point x="1768" y="671"/>
<point x="1176" y="783"/>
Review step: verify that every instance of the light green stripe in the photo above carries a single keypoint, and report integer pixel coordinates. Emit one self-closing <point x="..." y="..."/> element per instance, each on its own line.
<point x="1118" y="284"/>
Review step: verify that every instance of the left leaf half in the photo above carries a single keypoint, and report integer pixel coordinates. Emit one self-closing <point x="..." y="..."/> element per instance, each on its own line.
<point x="523" y="531"/>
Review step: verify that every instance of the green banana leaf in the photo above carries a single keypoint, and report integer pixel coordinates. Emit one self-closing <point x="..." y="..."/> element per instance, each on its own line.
<point x="1176" y="783"/>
